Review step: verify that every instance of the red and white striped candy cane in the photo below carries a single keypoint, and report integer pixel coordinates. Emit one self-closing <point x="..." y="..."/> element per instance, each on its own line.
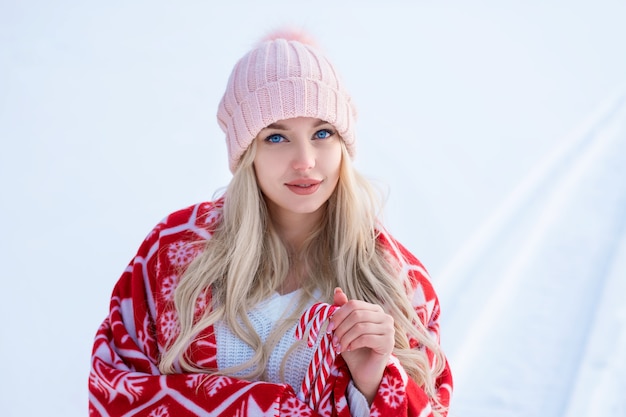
<point x="323" y="358"/>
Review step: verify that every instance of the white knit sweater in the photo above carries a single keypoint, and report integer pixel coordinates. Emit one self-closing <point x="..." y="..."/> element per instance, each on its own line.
<point x="233" y="351"/>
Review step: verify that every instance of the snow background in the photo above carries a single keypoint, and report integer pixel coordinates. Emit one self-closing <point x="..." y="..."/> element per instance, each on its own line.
<point x="496" y="127"/>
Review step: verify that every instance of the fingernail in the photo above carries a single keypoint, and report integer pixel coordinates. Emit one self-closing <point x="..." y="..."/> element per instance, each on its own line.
<point x="330" y="327"/>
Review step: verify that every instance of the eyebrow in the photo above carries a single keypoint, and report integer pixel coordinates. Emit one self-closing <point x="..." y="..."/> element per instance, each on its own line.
<point x="280" y="126"/>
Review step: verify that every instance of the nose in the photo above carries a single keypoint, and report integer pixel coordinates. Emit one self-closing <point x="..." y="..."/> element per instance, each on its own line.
<point x="304" y="156"/>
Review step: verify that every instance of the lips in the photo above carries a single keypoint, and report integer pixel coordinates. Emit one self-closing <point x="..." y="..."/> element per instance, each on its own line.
<point x="303" y="186"/>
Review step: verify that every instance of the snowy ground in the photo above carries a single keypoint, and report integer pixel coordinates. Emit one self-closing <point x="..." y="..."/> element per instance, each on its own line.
<point x="498" y="129"/>
<point x="536" y="315"/>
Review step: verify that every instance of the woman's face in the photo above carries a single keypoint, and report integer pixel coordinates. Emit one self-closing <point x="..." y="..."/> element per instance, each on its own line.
<point x="297" y="165"/>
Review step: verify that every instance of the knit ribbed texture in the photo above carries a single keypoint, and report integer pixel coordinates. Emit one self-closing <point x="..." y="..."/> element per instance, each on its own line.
<point x="282" y="79"/>
<point x="263" y="318"/>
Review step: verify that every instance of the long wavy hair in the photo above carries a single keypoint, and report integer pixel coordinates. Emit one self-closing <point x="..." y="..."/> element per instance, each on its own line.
<point x="245" y="261"/>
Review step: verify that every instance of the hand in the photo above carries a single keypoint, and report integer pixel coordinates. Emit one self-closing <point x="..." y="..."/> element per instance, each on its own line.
<point x="364" y="336"/>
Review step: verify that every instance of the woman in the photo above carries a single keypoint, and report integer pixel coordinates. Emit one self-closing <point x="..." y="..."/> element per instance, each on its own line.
<point x="204" y="319"/>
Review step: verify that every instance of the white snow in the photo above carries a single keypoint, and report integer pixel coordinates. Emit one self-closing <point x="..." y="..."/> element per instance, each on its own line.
<point x="542" y="289"/>
<point x="498" y="130"/>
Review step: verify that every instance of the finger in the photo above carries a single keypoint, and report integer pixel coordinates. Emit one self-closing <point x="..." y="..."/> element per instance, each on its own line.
<point x="356" y="310"/>
<point x="367" y="325"/>
<point x="381" y="344"/>
<point x="360" y="322"/>
<point x="339" y="298"/>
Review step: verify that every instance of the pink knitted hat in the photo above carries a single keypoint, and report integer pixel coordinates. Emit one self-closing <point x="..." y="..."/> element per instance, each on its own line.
<point x="285" y="76"/>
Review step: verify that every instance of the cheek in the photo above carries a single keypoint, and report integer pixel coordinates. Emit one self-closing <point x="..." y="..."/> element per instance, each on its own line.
<point x="332" y="161"/>
<point x="268" y="160"/>
<point x="263" y="184"/>
<point x="267" y="170"/>
<point x="262" y="164"/>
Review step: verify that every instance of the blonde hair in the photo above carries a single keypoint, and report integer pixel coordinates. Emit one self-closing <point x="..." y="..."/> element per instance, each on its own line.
<point x="245" y="261"/>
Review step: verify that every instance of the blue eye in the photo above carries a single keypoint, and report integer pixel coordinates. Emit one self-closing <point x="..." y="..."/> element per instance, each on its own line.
<point x="275" y="138"/>
<point x="323" y="134"/>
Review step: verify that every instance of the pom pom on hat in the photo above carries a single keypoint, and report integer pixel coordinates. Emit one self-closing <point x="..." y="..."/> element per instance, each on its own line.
<point x="290" y="34"/>
<point x="283" y="77"/>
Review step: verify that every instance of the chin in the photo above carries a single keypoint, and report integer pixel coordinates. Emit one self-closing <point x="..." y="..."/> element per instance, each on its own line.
<point x="307" y="208"/>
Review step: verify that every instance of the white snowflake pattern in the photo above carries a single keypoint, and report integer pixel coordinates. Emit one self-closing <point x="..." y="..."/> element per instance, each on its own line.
<point x="168" y="325"/>
<point x="294" y="408"/>
<point x="392" y="391"/>
<point x="181" y="253"/>
<point x="168" y="286"/>
<point x="160" y="411"/>
<point x="216" y="384"/>
<point x="194" y="380"/>
<point x="127" y="385"/>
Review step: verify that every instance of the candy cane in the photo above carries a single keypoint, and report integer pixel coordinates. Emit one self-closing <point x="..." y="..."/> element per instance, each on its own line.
<point x="324" y="356"/>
